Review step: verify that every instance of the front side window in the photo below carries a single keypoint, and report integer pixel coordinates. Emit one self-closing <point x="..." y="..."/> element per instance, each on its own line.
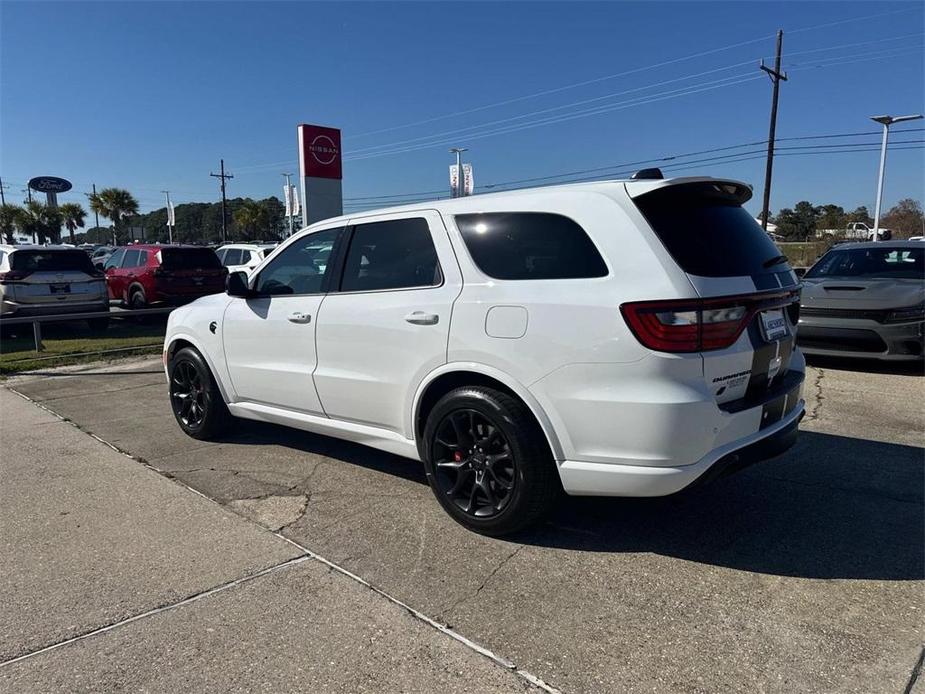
<point x="529" y="246"/>
<point x="115" y="260"/>
<point x="397" y="254"/>
<point x="302" y="267"/>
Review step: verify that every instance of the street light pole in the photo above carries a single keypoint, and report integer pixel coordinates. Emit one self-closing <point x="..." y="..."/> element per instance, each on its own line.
<point x="886" y="122"/>
<point x="460" y="178"/>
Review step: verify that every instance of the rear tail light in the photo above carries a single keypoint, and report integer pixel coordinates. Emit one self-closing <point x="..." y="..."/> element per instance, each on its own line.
<point x="696" y="325"/>
<point x="13" y="276"/>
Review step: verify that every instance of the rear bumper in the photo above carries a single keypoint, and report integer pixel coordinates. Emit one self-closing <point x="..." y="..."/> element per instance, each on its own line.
<point x="606" y="479"/>
<point x="861" y="338"/>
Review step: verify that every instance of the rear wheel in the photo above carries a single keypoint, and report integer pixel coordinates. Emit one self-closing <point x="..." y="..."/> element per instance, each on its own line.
<point x="136" y="299"/>
<point x="195" y="398"/>
<point x="487" y="461"/>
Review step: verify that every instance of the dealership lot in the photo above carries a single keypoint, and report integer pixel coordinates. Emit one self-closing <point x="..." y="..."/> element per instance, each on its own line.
<point x="804" y="573"/>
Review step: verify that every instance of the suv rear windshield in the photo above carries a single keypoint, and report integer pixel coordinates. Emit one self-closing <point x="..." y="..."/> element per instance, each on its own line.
<point x="51" y="261"/>
<point x="529" y="246"/>
<point x="707" y="231"/>
<point x="188" y="258"/>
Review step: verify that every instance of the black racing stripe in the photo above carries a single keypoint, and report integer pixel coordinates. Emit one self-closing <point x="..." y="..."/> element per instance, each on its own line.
<point x="762" y="354"/>
<point x="773" y="411"/>
<point x="765" y="281"/>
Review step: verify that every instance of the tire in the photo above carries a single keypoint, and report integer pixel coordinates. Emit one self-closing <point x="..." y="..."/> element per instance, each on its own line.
<point x="506" y="460"/>
<point x="136" y="300"/>
<point x="195" y="399"/>
<point x="98" y="324"/>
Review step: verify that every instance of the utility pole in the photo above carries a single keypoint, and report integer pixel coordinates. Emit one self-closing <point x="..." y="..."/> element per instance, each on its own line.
<point x="460" y="176"/>
<point x="2" y="196"/>
<point x="223" y="176"/>
<point x="776" y="76"/>
<point x="289" y="200"/>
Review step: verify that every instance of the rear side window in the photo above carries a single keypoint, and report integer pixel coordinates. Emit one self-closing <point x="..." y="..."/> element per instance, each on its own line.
<point x="708" y="233"/>
<point x="51" y="261"/>
<point x="530" y="246"/>
<point x="232" y="256"/>
<point x="131" y="259"/>
<point x="398" y="254"/>
<point x="189" y="259"/>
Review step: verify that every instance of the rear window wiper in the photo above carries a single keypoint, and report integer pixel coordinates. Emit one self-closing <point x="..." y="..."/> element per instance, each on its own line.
<point x="776" y="260"/>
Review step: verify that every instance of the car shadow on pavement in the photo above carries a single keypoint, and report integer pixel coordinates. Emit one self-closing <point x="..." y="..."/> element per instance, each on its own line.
<point x="831" y="507"/>
<point x="899" y="368"/>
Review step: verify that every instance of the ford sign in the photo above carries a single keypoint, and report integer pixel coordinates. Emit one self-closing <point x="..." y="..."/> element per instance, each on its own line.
<point x="49" y="184"/>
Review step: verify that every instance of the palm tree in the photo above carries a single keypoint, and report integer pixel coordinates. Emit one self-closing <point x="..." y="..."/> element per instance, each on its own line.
<point x="41" y="221"/>
<point x="11" y="219"/>
<point x="74" y="216"/>
<point x="114" y="204"/>
<point x="251" y="218"/>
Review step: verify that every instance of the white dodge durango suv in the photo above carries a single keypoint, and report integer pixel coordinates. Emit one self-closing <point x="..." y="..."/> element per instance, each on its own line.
<point x="621" y="338"/>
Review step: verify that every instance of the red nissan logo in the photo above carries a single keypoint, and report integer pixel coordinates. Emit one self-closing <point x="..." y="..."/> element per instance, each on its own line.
<point x="323" y="150"/>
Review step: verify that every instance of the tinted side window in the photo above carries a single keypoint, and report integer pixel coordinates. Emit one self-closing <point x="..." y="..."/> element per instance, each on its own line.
<point x="529" y="246"/>
<point x="391" y="255"/>
<point x="131" y="259"/>
<point x="245" y="257"/>
<point x="142" y="258"/>
<point x="115" y="260"/>
<point x="302" y="268"/>
<point x="232" y="257"/>
<point x="708" y="235"/>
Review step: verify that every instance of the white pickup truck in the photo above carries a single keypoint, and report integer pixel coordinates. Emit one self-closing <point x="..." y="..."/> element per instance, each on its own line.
<point x="855" y="230"/>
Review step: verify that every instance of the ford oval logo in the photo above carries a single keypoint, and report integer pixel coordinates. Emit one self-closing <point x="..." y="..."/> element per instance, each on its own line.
<point x="50" y="184"/>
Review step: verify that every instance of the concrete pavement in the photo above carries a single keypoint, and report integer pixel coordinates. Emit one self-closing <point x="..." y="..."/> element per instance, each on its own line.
<point x="804" y="573"/>
<point x="115" y="578"/>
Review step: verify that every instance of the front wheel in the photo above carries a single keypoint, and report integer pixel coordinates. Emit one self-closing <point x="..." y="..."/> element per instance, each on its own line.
<point x="195" y="398"/>
<point x="487" y="461"/>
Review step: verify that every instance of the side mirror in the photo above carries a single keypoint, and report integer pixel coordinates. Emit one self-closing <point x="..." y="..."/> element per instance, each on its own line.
<point x="236" y="285"/>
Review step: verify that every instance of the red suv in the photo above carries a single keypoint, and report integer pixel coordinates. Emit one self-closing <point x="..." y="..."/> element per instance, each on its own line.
<point x="146" y="274"/>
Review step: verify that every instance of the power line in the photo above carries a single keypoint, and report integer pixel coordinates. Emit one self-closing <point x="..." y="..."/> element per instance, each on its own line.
<point x="623" y="74"/>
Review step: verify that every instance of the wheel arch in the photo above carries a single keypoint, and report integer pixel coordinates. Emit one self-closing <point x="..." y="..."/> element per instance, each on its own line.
<point x="178" y="342"/>
<point x="450" y="376"/>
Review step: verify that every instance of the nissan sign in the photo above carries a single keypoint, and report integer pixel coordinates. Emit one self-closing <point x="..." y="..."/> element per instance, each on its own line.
<point x="319" y="152"/>
<point x="50" y="184"/>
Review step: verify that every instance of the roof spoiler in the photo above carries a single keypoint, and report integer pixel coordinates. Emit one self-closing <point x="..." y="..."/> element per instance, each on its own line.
<point x="733" y="191"/>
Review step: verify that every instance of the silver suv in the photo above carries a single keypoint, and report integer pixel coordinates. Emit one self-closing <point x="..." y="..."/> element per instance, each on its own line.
<point x="48" y="280"/>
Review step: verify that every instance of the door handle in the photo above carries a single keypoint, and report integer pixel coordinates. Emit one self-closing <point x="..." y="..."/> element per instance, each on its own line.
<point x="421" y="318"/>
<point x="299" y="317"/>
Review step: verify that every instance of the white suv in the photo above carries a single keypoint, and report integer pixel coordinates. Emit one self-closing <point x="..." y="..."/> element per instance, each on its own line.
<point x="622" y="338"/>
<point x="243" y="257"/>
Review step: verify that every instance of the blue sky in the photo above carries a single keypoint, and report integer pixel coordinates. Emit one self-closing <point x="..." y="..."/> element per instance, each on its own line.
<point x="149" y="96"/>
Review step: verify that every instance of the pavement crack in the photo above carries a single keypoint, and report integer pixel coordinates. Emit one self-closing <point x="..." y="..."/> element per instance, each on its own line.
<point x="484" y="582"/>
<point x="820" y="398"/>
<point x="916" y="673"/>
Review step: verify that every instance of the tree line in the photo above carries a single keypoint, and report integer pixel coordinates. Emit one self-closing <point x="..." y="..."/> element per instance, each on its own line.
<point x="197" y="222"/>
<point x="800" y="223"/>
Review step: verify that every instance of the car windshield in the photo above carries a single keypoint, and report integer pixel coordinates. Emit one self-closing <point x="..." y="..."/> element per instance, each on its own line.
<point x="875" y="263"/>
<point x="51" y="261"/>
<point x="189" y="258"/>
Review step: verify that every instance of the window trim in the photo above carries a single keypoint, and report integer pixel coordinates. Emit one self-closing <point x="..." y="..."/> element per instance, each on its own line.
<point x="603" y="256"/>
<point x="342" y="260"/>
<point x="325" y="282"/>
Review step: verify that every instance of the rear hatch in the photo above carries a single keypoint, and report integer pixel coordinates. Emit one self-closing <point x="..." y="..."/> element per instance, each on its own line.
<point x="189" y="271"/>
<point x="52" y="276"/>
<point x="743" y="324"/>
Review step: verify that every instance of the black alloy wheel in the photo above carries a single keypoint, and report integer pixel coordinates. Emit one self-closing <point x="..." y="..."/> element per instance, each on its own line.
<point x="475" y="467"/>
<point x="188" y="395"/>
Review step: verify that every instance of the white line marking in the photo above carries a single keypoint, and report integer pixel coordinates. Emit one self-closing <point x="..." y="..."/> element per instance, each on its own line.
<point x="308" y="554"/>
